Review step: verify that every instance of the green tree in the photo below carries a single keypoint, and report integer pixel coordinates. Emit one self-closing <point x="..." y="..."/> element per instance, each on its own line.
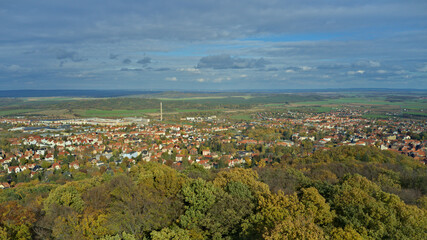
<point x="363" y="206"/>
<point x="299" y="227"/>
<point x="67" y="196"/>
<point x="173" y="233"/>
<point x="15" y="221"/>
<point x="199" y="197"/>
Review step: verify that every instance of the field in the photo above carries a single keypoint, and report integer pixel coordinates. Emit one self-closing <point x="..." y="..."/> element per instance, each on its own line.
<point x="237" y="106"/>
<point x="114" y="113"/>
<point x="375" y="116"/>
<point x="15" y="112"/>
<point x="53" y="99"/>
<point x="177" y="110"/>
<point x="245" y="117"/>
<point x="203" y="98"/>
<point x="380" y="106"/>
<point x="409" y="104"/>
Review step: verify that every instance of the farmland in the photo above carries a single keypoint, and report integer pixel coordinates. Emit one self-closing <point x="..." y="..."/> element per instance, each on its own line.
<point x="238" y="106"/>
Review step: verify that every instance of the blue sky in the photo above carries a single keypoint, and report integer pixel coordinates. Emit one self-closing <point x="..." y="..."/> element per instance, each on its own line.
<point x="213" y="44"/>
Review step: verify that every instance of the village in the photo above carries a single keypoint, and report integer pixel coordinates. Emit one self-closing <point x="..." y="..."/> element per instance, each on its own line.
<point x="68" y="148"/>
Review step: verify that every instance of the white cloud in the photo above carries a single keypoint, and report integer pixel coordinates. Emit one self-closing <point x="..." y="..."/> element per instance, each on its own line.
<point x="225" y="61"/>
<point x="221" y="79"/>
<point x="306" y="68"/>
<point x="192" y="70"/>
<point x="374" y="64"/>
<point x="201" y="80"/>
<point x="171" y="79"/>
<point x="356" y="72"/>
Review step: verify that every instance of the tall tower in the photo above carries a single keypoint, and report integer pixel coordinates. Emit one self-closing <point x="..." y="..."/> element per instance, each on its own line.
<point x="161" y="112"/>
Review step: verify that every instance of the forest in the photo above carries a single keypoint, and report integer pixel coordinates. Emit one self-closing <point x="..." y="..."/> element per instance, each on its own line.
<point x="344" y="193"/>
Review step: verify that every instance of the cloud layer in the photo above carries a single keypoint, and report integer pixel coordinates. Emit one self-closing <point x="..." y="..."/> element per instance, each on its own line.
<point x="211" y="44"/>
<point x="226" y="61"/>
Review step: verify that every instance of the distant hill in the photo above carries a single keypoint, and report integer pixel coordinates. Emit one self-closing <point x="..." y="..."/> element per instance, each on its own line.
<point x="172" y="93"/>
<point x="71" y="93"/>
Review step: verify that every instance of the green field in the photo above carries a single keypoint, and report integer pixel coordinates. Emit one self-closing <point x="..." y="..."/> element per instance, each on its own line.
<point x="345" y="101"/>
<point x="275" y="105"/>
<point x="313" y="108"/>
<point x="322" y="109"/>
<point x="16" y="111"/>
<point x="54" y="99"/>
<point x="410" y="104"/>
<point x="423" y="114"/>
<point x="204" y="98"/>
<point x="195" y="110"/>
<point x="191" y="98"/>
<point x="114" y="113"/>
<point x="245" y="117"/>
<point x="131" y="113"/>
<point x="376" y="116"/>
<point x="377" y="104"/>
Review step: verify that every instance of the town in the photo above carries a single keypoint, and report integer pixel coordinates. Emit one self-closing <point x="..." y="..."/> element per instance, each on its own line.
<point x="68" y="148"/>
<point x="225" y="120"/>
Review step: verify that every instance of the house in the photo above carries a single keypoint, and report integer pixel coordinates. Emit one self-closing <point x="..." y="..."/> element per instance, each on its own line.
<point x="14" y="169"/>
<point x="74" y="165"/>
<point x="234" y="162"/>
<point x="206" y="152"/>
<point x="130" y="155"/>
<point x="4" y="185"/>
<point x="32" y="174"/>
<point x="31" y="166"/>
<point x="179" y="157"/>
<point x="193" y="151"/>
<point x="49" y="157"/>
<point x="56" y="166"/>
<point x="204" y="163"/>
<point x="285" y="143"/>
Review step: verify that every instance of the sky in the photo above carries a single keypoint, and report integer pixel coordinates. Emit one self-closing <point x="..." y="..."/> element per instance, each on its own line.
<point x="213" y="44"/>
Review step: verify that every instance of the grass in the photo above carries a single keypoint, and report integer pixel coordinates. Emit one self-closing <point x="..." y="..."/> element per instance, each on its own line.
<point x="191" y="98"/>
<point x="114" y="113"/>
<point x="16" y="111"/>
<point x="241" y="117"/>
<point x="193" y="103"/>
<point x="423" y="114"/>
<point x="195" y="110"/>
<point x="345" y="101"/>
<point x="203" y="98"/>
<point x="411" y="104"/>
<point x="323" y="109"/>
<point x="275" y="104"/>
<point x="313" y="108"/>
<point x="415" y="105"/>
<point x="132" y="113"/>
<point x="375" y="116"/>
<point x="53" y="99"/>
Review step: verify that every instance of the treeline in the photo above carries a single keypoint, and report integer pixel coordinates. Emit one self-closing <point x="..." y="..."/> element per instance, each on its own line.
<point x="393" y="172"/>
<point x="345" y="193"/>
